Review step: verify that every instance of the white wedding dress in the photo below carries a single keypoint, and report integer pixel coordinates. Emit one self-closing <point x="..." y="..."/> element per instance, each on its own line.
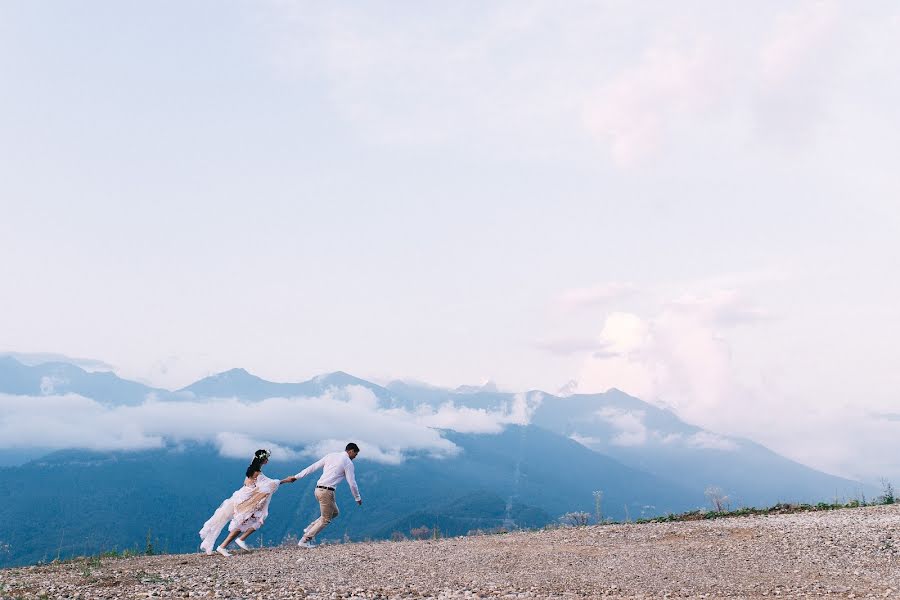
<point x="247" y="509"/>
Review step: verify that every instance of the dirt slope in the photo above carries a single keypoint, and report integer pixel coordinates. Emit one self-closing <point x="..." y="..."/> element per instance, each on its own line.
<point x="845" y="553"/>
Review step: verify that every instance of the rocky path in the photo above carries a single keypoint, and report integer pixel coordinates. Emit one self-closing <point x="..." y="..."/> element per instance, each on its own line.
<point x="846" y="553"/>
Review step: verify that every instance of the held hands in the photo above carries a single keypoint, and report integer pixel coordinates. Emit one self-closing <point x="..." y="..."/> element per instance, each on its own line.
<point x="359" y="502"/>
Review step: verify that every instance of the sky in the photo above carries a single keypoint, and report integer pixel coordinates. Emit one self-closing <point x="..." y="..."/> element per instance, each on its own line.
<point x="696" y="203"/>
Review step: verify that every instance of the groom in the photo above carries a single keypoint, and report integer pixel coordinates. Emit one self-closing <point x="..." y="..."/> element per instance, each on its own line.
<point x="336" y="467"/>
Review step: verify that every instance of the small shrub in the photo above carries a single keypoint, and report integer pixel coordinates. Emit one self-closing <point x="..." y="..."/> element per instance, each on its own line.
<point x="575" y="519"/>
<point x="598" y="506"/>
<point x="717" y="498"/>
<point x="148" y="550"/>
<point x="887" y="493"/>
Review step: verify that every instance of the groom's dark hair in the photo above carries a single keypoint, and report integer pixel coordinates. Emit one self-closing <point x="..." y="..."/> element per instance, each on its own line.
<point x="351" y="446"/>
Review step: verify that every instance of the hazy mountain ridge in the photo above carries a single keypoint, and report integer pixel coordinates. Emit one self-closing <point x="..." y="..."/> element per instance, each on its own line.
<point x="632" y="431"/>
<point x="644" y="459"/>
<point x="534" y="474"/>
<point x="63" y="378"/>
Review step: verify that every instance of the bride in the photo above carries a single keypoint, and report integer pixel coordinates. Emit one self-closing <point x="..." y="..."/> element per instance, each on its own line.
<point x="247" y="508"/>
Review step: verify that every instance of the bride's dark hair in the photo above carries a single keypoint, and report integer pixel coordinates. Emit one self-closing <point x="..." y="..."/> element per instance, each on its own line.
<point x="259" y="457"/>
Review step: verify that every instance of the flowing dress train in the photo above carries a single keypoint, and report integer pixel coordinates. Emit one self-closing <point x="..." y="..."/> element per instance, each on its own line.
<point x="247" y="508"/>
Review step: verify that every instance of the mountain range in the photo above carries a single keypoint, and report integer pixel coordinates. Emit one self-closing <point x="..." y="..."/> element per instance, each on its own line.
<point x="644" y="459"/>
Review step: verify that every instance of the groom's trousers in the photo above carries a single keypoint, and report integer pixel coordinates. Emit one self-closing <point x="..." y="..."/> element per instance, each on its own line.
<point x="328" y="509"/>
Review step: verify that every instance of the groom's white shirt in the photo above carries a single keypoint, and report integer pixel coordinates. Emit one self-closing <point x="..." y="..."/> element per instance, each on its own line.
<point x="336" y="466"/>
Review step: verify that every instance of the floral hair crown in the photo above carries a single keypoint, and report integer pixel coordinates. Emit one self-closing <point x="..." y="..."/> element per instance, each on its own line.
<point x="263" y="455"/>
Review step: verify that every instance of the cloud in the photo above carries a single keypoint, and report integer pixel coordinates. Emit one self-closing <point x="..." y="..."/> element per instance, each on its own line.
<point x="38" y="358"/>
<point x="596" y="295"/>
<point x="238" y="445"/>
<point x="638" y="109"/>
<point x="593" y="443"/>
<point x="633" y="432"/>
<point x="630" y="426"/>
<point x="677" y="358"/>
<point x="427" y="76"/>
<point x="722" y="308"/>
<point x="797" y="63"/>
<point x="570" y="346"/>
<point x="540" y="78"/>
<point x="368" y="450"/>
<point x="71" y="421"/>
<point x="289" y="426"/>
<point x="682" y="358"/>
<point x="479" y="420"/>
<point x="49" y="382"/>
<point x="796" y="41"/>
<point x="710" y="441"/>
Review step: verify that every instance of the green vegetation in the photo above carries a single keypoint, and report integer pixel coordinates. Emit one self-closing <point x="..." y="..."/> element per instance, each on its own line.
<point x="781" y="508"/>
<point x="887" y="493"/>
<point x="716" y="497"/>
<point x="719" y="502"/>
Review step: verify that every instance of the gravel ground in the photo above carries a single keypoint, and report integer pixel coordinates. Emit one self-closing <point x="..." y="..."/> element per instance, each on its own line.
<point x="845" y="553"/>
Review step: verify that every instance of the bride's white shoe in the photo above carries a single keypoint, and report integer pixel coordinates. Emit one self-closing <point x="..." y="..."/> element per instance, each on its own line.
<point x="242" y="544"/>
<point x="223" y="551"/>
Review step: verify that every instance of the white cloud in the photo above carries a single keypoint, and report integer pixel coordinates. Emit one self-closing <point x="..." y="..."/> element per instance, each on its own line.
<point x="796" y="41"/>
<point x="37" y="358"/>
<point x="286" y="425"/>
<point x="49" y="382"/>
<point x="368" y="450"/>
<point x="593" y="443"/>
<point x="69" y="421"/>
<point x="710" y="441"/>
<point x="569" y="346"/>
<point x="599" y="294"/>
<point x="426" y="77"/>
<point x="637" y="110"/>
<point x="536" y="78"/>
<point x="677" y="358"/>
<point x="630" y="426"/>
<point x="798" y="62"/>
<point x="479" y="420"/>
<point x="632" y="431"/>
<point x="682" y="358"/>
<point x="722" y="307"/>
<point x="74" y="421"/>
<point x="238" y="445"/>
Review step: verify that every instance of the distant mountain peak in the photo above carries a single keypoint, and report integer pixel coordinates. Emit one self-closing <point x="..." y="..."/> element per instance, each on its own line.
<point x="33" y="359"/>
<point x="237" y="373"/>
<point x="332" y="379"/>
<point x="571" y="387"/>
<point x="488" y="386"/>
<point x="224" y="381"/>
